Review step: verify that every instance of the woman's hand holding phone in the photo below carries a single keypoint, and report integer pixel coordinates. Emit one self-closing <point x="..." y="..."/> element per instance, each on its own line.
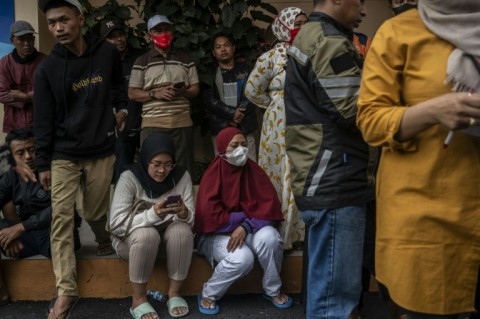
<point x="172" y="205"/>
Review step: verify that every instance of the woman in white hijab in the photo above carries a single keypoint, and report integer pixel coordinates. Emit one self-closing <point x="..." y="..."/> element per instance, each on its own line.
<point x="428" y="195"/>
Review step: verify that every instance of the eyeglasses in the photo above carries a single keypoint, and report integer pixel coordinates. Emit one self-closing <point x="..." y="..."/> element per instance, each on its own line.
<point x="158" y="166"/>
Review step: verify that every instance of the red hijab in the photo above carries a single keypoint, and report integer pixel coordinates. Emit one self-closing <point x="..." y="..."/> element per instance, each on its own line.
<point x="226" y="188"/>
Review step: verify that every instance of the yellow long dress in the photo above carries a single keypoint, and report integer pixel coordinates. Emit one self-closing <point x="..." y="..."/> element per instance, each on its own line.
<point x="428" y="198"/>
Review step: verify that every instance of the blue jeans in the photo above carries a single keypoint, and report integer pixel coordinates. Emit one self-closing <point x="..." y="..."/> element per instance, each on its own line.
<point x="335" y="248"/>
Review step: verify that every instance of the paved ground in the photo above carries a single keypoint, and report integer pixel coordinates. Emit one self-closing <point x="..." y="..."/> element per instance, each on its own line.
<point x="232" y="307"/>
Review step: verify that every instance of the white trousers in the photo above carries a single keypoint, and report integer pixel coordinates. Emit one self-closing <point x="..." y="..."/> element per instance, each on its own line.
<point x="266" y="244"/>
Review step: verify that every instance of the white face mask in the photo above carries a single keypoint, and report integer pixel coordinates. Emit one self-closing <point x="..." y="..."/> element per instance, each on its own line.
<point x="238" y="156"/>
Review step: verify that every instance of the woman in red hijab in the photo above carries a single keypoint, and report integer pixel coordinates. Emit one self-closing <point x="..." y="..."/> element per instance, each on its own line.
<point x="236" y="213"/>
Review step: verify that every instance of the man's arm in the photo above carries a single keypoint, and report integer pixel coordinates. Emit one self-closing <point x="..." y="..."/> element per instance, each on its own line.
<point x="13" y="250"/>
<point x="19" y="96"/>
<point x="44" y="125"/>
<point x="7" y="183"/>
<point x="6" y="82"/>
<point x="244" y="102"/>
<point x="118" y="94"/>
<point x="166" y="93"/>
<point x="9" y="212"/>
<point x="192" y="91"/>
<point x="8" y="234"/>
<point x="215" y="105"/>
<point x="24" y="172"/>
<point x="40" y="220"/>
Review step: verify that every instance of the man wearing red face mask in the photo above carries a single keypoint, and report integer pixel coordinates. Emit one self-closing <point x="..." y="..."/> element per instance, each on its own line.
<point x="163" y="80"/>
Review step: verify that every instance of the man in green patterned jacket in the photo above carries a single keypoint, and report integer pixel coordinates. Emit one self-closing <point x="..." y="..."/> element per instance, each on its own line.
<point x="332" y="167"/>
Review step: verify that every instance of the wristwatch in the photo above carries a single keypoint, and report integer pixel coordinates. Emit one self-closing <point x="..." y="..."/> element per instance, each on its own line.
<point x="151" y="94"/>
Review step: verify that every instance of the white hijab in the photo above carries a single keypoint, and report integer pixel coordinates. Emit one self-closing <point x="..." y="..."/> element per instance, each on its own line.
<point x="457" y="22"/>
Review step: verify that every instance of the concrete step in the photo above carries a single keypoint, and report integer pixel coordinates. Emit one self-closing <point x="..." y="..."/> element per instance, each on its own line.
<point x="107" y="277"/>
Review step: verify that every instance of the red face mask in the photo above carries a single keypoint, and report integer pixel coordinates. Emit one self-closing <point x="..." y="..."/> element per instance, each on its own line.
<point x="162" y="40"/>
<point x="293" y="34"/>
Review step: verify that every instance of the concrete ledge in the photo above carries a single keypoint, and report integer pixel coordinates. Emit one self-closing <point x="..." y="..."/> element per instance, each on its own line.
<point x="107" y="276"/>
<point x="33" y="279"/>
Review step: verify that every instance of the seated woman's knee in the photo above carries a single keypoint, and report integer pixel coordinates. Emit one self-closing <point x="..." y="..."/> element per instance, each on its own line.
<point x="145" y="235"/>
<point x="267" y="238"/>
<point x="243" y="258"/>
<point x="179" y="232"/>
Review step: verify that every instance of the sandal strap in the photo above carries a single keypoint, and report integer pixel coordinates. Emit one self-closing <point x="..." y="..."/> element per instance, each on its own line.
<point x="143" y="309"/>
<point x="63" y="313"/>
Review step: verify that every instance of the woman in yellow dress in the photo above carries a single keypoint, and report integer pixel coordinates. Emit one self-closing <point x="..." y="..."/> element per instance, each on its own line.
<point x="428" y="198"/>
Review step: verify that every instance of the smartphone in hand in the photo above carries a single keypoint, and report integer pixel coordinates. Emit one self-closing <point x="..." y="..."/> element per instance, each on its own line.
<point x="179" y="85"/>
<point x="173" y="199"/>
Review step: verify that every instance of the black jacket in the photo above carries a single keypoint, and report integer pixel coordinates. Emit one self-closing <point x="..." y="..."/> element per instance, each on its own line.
<point x="332" y="166"/>
<point x="133" y="121"/>
<point x="32" y="201"/>
<point x="74" y="103"/>
<point x="219" y="112"/>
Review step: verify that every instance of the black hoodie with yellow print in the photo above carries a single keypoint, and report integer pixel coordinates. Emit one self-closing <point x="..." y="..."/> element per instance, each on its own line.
<point x="74" y="103"/>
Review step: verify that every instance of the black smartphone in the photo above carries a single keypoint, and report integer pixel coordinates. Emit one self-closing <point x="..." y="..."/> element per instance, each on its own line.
<point x="173" y="199"/>
<point x="179" y="85"/>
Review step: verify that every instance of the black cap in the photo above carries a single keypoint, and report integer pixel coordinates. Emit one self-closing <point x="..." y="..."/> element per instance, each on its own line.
<point x="108" y="26"/>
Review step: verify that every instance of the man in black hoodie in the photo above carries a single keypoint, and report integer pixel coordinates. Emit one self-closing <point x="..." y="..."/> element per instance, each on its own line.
<point x="128" y="140"/>
<point x="78" y="86"/>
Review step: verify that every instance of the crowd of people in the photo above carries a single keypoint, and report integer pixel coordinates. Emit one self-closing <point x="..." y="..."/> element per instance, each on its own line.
<point x="368" y="152"/>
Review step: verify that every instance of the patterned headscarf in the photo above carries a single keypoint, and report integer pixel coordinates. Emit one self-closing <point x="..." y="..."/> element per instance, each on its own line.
<point x="285" y="22"/>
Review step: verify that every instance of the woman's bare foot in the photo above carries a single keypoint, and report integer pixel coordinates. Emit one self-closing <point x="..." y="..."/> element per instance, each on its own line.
<point x="281" y="298"/>
<point x="137" y="301"/>
<point x="208" y="303"/>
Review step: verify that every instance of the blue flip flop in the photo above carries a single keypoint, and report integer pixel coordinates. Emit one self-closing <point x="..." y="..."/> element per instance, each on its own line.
<point x="285" y="305"/>
<point x="207" y="311"/>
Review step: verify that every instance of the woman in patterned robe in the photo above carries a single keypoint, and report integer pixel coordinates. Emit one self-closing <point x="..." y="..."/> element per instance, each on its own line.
<point x="265" y="89"/>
